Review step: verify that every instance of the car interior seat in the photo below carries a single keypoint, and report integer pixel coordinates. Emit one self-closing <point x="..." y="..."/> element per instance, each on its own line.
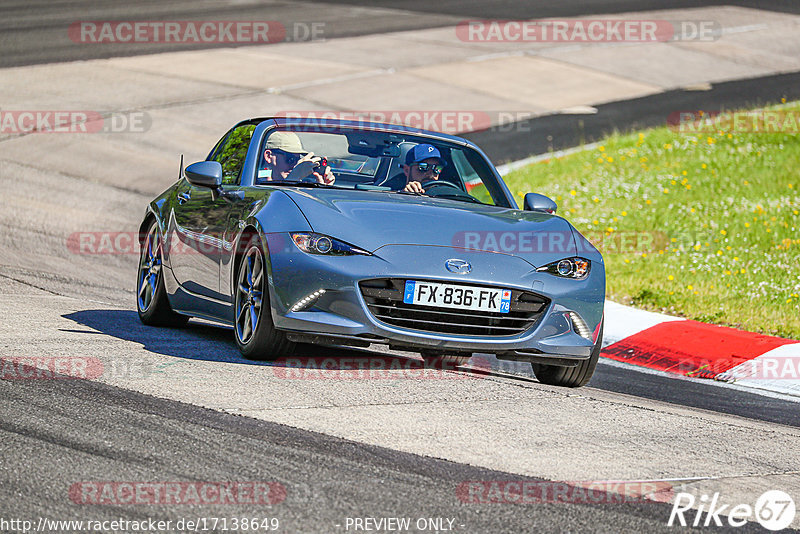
<point x="397" y="178"/>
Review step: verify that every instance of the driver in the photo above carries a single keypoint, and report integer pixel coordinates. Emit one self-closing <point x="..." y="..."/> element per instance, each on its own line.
<point x="282" y="153"/>
<point x="423" y="164"/>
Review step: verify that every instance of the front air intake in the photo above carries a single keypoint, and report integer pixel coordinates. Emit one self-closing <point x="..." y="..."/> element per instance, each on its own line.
<point x="384" y="298"/>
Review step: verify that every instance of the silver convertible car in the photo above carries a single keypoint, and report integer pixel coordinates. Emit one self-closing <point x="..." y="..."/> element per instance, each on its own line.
<point x="353" y="233"/>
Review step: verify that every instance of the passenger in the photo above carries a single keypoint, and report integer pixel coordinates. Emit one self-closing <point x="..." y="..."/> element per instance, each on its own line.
<point x="423" y="164"/>
<point x="282" y="153"/>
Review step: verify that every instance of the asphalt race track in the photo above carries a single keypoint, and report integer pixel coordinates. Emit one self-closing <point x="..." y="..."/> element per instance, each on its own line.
<point x="181" y="405"/>
<point x="540" y="135"/>
<point x="32" y="31"/>
<point x="327" y="479"/>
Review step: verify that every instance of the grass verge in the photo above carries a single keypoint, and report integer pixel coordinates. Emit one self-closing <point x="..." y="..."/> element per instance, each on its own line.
<point x="701" y="224"/>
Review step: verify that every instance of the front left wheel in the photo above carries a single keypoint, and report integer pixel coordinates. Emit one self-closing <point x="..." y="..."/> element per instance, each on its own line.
<point x="151" y="296"/>
<point x="570" y="377"/>
<point x="255" y="332"/>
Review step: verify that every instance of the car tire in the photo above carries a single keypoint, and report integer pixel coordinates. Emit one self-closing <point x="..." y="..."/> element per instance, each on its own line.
<point x="151" y="296"/>
<point x="570" y="377"/>
<point x="254" y="330"/>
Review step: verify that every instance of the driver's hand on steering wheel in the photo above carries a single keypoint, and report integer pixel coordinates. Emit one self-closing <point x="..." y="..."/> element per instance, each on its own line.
<point x="414" y="187"/>
<point x="327" y="178"/>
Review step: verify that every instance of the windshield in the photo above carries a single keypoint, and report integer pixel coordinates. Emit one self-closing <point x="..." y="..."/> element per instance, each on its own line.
<point x="379" y="161"/>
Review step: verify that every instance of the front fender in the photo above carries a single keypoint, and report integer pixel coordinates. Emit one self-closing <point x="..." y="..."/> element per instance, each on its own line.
<point x="157" y="209"/>
<point x="272" y="219"/>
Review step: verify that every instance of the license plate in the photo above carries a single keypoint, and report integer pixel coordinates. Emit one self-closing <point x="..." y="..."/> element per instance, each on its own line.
<point x="455" y="296"/>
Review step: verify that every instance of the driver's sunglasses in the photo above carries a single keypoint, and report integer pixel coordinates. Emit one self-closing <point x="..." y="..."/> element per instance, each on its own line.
<point x="290" y="158"/>
<point x="437" y="168"/>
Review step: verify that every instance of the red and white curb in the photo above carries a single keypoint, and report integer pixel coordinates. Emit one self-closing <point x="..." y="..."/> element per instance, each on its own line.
<point x="699" y="350"/>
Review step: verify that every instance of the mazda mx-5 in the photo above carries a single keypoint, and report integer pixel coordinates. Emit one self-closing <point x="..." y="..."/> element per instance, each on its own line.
<point x="353" y="233"/>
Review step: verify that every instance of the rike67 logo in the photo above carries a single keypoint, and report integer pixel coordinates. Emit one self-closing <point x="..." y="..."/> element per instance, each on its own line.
<point x="774" y="510"/>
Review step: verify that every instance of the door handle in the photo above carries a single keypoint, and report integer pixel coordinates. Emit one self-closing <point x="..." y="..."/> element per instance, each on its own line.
<point x="183" y="197"/>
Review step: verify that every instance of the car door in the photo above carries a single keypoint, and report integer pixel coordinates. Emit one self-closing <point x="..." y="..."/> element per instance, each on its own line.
<point x="200" y="218"/>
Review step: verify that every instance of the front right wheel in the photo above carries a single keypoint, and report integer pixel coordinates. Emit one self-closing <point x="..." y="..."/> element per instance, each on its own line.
<point x="570" y="377"/>
<point x="255" y="333"/>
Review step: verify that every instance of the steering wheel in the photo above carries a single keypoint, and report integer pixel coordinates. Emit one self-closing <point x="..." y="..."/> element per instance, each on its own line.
<point x="446" y="189"/>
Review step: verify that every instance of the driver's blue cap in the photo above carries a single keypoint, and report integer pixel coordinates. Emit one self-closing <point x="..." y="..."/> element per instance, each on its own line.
<point x="422" y="152"/>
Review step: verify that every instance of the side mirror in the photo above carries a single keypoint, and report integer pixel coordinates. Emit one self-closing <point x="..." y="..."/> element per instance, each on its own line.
<point x="537" y="202"/>
<point x="204" y="174"/>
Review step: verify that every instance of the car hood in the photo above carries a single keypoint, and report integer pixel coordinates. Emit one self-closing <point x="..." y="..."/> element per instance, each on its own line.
<point x="374" y="219"/>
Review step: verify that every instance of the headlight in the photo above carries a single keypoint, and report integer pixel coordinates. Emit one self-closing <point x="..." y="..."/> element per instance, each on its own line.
<point x="312" y="243"/>
<point x="576" y="268"/>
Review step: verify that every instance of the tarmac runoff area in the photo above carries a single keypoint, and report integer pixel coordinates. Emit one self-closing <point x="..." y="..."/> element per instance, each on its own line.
<point x="79" y="306"/>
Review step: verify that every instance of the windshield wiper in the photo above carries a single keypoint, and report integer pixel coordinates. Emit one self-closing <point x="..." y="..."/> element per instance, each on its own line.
<point x="460" y="198"/>
<point x="447" y="197"/>
<point x="402" y="192"/>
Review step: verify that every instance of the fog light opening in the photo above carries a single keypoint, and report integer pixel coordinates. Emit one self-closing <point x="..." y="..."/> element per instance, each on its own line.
<point x="308" y="301"/>
<point x="579" y="325"/>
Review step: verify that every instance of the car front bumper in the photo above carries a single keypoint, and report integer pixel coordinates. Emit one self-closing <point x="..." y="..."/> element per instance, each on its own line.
<point x="341" y="312"/>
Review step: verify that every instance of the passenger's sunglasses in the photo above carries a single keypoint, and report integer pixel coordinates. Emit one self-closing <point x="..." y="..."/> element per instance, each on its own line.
<point x="290" y="158"/>
<point x="437" y="168"/>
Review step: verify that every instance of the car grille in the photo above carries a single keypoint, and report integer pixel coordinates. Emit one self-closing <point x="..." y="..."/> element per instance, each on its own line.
<point x="384" y="298"/>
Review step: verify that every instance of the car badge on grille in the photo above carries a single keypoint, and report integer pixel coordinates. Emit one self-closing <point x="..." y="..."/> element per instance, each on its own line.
<point x="458" y="266"/>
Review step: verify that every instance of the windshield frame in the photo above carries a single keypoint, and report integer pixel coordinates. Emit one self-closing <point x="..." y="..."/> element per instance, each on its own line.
<point x="494" y="183"/>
